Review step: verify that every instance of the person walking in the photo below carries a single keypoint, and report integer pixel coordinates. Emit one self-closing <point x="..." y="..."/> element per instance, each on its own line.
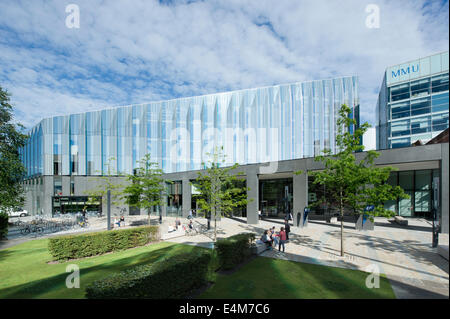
<point x="282" y="236"/>
<point x="287" y="228"/>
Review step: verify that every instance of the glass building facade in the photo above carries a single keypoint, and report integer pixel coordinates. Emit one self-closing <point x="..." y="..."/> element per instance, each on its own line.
<point x="413" y="102"/>
<point x="259" y="125"/>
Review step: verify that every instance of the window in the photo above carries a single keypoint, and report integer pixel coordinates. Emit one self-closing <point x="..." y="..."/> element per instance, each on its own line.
<point x="422" y="196"/>
<point x="72" y="186"/>
<point x="420" y="106"/>
<point x="399" y="92"/>
<point x="440" y="122"/>
<point x="400" y="142"/>
<point x="439" y="83"/>
<point x="400" y="128"/>
<point x="439" y="102"/>
<point x="57" y="186"/>
<point x="400" y="110"/>
<point x="421" y="125"/>
<point x="420" y="87"/>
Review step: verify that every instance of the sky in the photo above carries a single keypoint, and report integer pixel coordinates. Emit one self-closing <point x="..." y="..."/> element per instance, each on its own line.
<point x="133" y="52"/>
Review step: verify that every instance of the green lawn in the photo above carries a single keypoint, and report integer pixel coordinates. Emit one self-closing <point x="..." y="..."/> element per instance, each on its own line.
<point x="25" y="273"/>
<point x="271" y="278"/>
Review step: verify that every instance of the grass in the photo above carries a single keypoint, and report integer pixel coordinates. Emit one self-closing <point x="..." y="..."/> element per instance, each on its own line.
<point x="268" y="278"/>
<point x="26" y="273"/>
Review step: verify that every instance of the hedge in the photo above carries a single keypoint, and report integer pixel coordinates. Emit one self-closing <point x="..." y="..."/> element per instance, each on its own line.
<point x="234" y="250"/>
<point x="85" y="245"/>
<point x="3" y="225"/>
<point x="169" y="278"/>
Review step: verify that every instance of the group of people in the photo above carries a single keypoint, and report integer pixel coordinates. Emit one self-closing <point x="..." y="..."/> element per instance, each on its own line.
<point x="118" y="222"/>
<point x="272" y="238"/>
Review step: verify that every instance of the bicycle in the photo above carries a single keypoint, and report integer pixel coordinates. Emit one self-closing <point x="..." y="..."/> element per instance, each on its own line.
<point x="31" y="229"/>
<point x="83" y="223"/>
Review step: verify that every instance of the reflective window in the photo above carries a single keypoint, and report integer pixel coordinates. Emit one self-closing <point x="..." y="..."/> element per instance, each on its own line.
<point x="421" y="125"/>
<point x="420" y="87"/>
<point x="401" y="142"/>
<point x="440" y="122"/>
<point x="399" y="92"/>
<point x="439" y="83"/>
<point x="400" y="110"/>
<point x="420" y="106"/>
<point x="439" y="102"/>
<point x="400" y="128"/>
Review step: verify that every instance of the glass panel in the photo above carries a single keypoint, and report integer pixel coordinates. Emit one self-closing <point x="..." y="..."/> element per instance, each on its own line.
<point x="420" y="87"/>
<point x="439" y="102"/>
<point x="400" y="110"/>
<point x="399" y="92"/>
<point x="400" y="128"/>
<point x="400" y="142"/>
<point x="439" y="83"/>
<point x="436" y="63"/>
<point x="421" y="125"/>
<point x="420" y="106"/>
<point x="405" y="180"/>
<point x="422" y="201"/>
<point x="440" y="122"/>
<point x="405" y="205"/>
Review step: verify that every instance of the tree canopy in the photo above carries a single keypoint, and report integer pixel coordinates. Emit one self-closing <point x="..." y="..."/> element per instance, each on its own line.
<point x="12" y="170"/>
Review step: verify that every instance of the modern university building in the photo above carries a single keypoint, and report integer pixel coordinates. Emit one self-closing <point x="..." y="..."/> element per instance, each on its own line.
<point x="271" y="132"/>
<point x="413" y="102"/>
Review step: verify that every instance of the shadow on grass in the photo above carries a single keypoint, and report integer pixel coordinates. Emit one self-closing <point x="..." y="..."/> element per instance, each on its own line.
<point x="55" y="286"/>
<point x="281" y="279"/>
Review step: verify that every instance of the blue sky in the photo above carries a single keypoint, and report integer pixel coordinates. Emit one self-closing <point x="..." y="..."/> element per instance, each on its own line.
<point x="132" y="52"/>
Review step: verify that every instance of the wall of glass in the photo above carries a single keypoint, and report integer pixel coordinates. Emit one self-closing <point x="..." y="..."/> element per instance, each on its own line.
<point x="75" y="204"/>
<point x="276" y="197"/>
<point x="418" y="110"/>
<point x="273" y="123"/>
<point x="174" y="199"/>
<point x="418" y="185"/>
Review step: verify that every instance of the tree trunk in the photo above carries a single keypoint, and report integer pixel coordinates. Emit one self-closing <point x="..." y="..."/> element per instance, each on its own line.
<point x="342" y="227"/>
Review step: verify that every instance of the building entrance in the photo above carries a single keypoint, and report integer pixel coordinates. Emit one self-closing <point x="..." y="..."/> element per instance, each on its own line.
<point x="275" y="197"/>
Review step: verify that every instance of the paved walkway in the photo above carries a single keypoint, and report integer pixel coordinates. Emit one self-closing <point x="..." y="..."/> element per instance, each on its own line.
<point x="403" y="253"/>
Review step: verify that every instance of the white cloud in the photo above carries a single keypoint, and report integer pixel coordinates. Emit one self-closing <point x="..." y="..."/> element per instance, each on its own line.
<point x="135" y="52"/>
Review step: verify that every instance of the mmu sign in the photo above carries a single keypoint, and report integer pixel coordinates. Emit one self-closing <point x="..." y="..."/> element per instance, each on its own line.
<point x="405" y="71"/>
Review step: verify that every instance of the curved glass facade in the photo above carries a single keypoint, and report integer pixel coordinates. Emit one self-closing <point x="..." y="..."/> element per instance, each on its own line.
<point x="259" y="125"/>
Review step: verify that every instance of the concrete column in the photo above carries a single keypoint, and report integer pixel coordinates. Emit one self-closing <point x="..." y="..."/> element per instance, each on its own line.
<point x="300" y="185"/>
<point x="65" y="180"/>
<point x="252" y="205"/>
<point x="186" y="197"/>
<point x="444" y="187"/>
<point x="46" y="202"/>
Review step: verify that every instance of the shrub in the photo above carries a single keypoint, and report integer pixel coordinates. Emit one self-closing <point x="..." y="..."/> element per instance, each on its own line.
<point x="3" y="225"/>
<point x="234" y="250"/>
<point x="173" y="277"/>
<point x="85" y="245"/>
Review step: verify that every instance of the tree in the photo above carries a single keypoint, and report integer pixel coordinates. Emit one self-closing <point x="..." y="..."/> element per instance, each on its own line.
<point x="146" y="187"/>
<point x="350" y="184"/>
<point x="12" y="170"/>
<point x="220" y="191"/>
<point x="107" y="183"/>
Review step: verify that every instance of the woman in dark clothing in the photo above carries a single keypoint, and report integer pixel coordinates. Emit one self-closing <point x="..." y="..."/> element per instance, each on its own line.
<point x="287" y="228"/>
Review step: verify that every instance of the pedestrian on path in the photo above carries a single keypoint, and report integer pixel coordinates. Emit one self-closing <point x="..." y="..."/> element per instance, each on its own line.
<point x="282" y="236"/>
<point x="288" y="229"/>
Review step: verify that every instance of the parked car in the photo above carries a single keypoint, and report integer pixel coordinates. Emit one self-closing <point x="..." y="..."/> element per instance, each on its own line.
<point x="20" y="213"/>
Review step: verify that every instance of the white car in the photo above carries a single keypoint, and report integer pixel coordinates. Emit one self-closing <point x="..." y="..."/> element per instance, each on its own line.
<point x="21" y="213"/>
